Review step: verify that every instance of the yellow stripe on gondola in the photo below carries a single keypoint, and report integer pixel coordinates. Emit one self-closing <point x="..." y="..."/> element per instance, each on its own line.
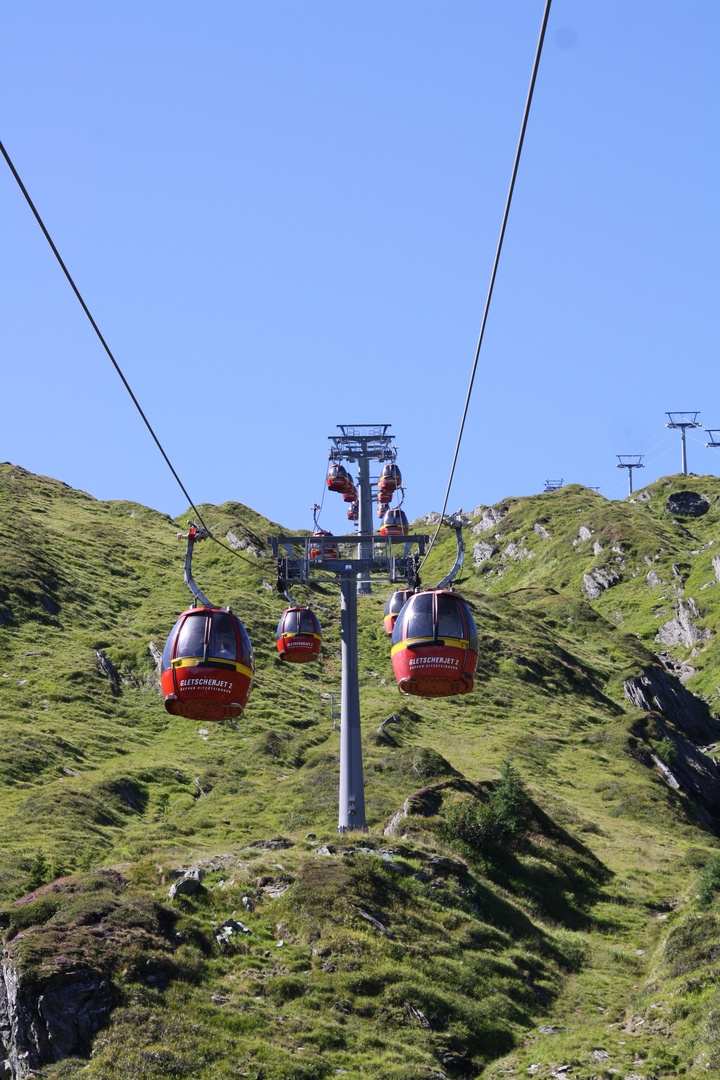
<point x="448" y="643"/>
<point x="193" y="661"/>
<point x="316" y="637"/>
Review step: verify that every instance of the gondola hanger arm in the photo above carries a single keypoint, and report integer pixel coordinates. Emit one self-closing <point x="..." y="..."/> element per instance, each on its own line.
<point x="193" y="536"/>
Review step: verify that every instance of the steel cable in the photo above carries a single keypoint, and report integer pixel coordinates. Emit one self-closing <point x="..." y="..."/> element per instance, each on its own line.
<point x="114" y="362"/>
<point x="518" y="152"/>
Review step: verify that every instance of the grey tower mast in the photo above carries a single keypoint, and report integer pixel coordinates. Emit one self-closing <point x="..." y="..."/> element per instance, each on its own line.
<point x="325" y="557"/>
<point x="630" y="462"/>
<point x="363" y="443"/>
<point x="683" y="420"/>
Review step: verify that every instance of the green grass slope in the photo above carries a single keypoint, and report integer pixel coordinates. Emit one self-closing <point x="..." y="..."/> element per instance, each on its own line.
<point x="494" y="919"/>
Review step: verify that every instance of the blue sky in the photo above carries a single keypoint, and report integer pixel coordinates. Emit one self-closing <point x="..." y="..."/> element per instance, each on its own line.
<point x="283" y="217"/>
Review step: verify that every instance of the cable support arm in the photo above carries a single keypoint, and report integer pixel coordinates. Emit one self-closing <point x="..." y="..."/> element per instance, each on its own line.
<point x="457" y="526"/>
<point x="192" y="536"/>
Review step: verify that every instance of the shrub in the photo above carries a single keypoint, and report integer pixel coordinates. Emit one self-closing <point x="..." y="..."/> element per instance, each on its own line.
<point x="667" y="751"/>
<point x="509" y="800"/>
<point x="39" y="872"/>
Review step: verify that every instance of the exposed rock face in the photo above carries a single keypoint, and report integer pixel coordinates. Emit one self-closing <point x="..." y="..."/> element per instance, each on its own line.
<point x="242" y="544"/>
<point x="678" y="668"/>
<point x="106" y="666"/>
<point x="584" y="533"/>
<point x="598" y="580"/>
<point x="716" y="566"/>
<point x="687" y="504"/>
<point x="490" y="517"/>
<point x="682" y="630"/>
<point x="597" y="548"/>
<point x="517" y="551"/>
<point x="684" y="720"/>
<point x="643" y="497"/>
<point x="188" y="884"/>
<point x="652" y="579"/>
<point x="483" y="551"/>
<point x="656" y="690"/>
<point x="541" y="531"/>
<point x="49" y="1021"/>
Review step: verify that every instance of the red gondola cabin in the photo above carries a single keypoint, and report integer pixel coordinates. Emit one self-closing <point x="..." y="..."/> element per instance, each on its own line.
<point x="325" y="551"/>
<point x="338" y="479"/>
<point x="298" y="635"/>
<point x="393" y="608"/>
<point x="354" y="511"/>
<point x="390" y="478"/>
<point x="435" y="645"/>
<point x="394" y="523"/>
<point x="207" y="665"/>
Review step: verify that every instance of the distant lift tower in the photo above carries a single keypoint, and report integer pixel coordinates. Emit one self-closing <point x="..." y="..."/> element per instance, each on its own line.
<point x="552" y="485"/>
<point x="630" y="462"/>
<point x="363" y="443"/>
<point x="683" y="420"/>
<point x="713" y="433"/>
<point x="332" y="559"/>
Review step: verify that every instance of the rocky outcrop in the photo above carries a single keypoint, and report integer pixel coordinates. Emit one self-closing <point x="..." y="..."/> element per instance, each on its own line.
<point x="716" y="566"/>
<point x="482" y="551"/>
<point x="541" y="531"/>
<point x="490" y="518"/>
<point x="687" y="504"/>
<point x="107" y="667"/>
<point x="658" y="691"/>
<point x="584" y="533"/>
<point x="598" y="580"/>
<point x="682" y="629"/>
<point x="684" y="721"/>
<point x="45" y="1022"/>
<point x="186" y="885"/>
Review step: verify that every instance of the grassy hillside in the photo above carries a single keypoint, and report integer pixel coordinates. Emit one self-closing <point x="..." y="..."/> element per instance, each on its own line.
<point x="544" y="897"/>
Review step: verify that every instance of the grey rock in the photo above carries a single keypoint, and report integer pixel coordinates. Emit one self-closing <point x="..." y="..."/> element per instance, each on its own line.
<point x="482" y="551"/>
<point x="677" y="574"/>
<point x="642" y="497"/>
<point x="678" y="668"/>
<point x="188" y="884"/>
<point x="682" y="629"/>
<point x="242" y="544"/>
<point x="597" y="548"/>
<point x="716" y="566"/>
<point x="648" y="560"/>
<point x="247" y="903"/>
<point x="517" y="551"/>
<point x="655" y="690"/>
<point x="229" y="929"/>
<point x="440" y="862"/>
<point x="490" y="518"/>
<point x="41" y="1024"/>
<point x="541" y="531"/>
<point x="156" y="655"/>
<point x="584" y="533"/>
<point x="687" y="504"/>
<point x="652" y="579"/>
<point x="106" y="666"/>
<point x="598" y="580"/>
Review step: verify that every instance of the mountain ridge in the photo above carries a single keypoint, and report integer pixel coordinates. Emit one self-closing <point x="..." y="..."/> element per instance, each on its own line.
<point x="444" y="948"/>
